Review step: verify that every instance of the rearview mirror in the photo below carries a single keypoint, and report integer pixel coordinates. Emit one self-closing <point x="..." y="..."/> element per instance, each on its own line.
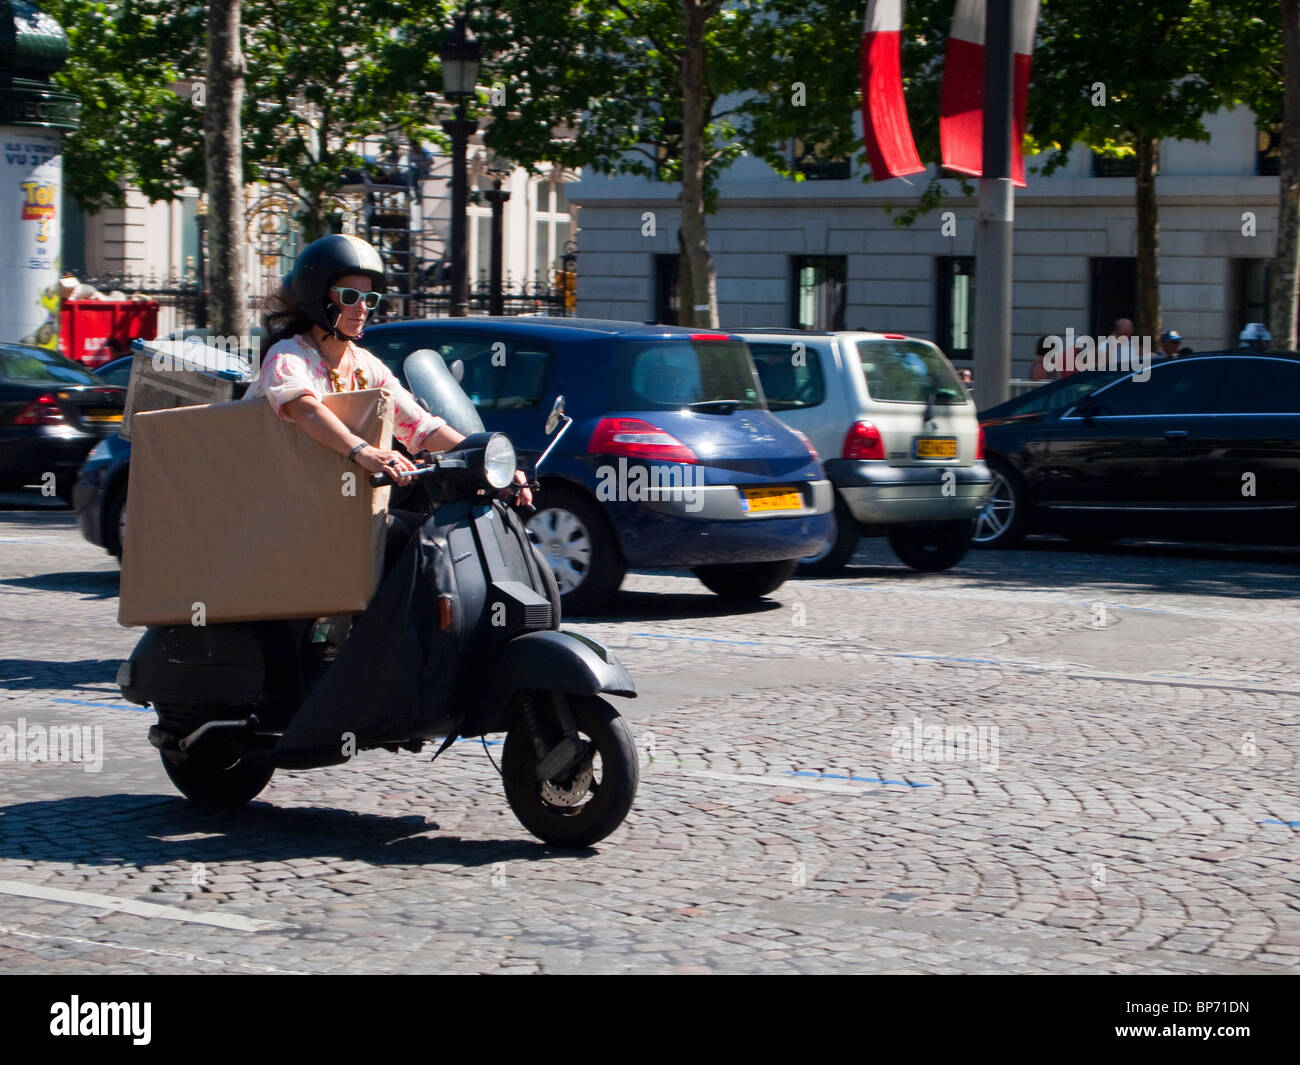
<point x="557" y="412"/>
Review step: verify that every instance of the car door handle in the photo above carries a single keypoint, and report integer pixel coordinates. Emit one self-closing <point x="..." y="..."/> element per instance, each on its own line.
<point x="1176" y="434"/>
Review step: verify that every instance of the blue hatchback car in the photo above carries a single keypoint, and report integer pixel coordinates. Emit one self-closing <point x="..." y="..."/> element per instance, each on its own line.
<point x="672" y="460"/>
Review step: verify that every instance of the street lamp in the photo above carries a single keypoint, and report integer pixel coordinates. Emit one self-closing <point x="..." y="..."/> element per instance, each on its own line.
<point x="460" y="54"/>
<point x="498" y="168"/>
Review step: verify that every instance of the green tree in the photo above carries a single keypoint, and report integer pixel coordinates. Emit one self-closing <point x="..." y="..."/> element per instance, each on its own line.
<point x="321" y="76"/>
<point x="1120" y="77"/>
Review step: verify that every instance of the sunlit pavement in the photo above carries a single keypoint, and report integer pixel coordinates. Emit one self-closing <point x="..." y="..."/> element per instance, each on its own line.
<point x="1041" y="761"/>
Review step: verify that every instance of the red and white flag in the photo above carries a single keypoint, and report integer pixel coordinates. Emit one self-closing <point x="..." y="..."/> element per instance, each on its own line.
<point x="961" y="105"/>
<point x="885" y="129"/>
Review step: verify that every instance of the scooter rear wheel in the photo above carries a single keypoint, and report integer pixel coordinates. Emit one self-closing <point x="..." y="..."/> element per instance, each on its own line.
<point x="595" y="798"/>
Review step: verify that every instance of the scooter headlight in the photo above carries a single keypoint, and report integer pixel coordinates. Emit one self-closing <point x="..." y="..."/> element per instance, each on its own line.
<point x="499" y="463"/>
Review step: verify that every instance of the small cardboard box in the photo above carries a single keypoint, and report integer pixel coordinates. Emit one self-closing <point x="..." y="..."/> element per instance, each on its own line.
<point x="235" y="514"/>
<point x="175" y="373"/>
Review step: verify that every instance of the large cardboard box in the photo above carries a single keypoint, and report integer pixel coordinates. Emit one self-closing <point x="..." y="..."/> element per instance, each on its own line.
<point x="237" y="515"/>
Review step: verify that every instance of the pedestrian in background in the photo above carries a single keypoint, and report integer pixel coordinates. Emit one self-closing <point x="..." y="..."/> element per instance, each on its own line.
<point x="1171" y="343"/>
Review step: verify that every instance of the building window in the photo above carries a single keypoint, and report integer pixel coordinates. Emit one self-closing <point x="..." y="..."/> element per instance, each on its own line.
<point x="818" y="291"/>
<point x="1113" y="283"/>
<point x="1268" y="150"/>
<point x="552" y="230"/>
<point x="1114" y="166"/>
<point x="815" y="163"/>
<point x="1251" y="283"/>
<point x="479" y="213"/>
<point x="668" y="271"/>
<point x="954" y="302"/>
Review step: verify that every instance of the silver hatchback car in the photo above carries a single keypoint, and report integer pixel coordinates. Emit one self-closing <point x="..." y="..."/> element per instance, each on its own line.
<point x="896" y="431"/>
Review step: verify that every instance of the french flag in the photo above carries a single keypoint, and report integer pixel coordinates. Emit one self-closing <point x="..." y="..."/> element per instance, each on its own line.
<point x="886" y="131"/>
<point x="961" y="104"/>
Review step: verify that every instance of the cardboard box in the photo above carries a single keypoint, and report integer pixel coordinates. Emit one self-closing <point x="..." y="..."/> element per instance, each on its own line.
<point x="242" y="512"/>
<point x="174" y="373"/>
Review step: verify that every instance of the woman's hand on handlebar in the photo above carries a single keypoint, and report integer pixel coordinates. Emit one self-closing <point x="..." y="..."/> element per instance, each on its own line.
<point x="393" y="463"/>
<point x="523" y="493"/>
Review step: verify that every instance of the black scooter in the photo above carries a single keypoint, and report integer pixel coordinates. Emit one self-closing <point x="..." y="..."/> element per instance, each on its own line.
<point x="461" y="639"/>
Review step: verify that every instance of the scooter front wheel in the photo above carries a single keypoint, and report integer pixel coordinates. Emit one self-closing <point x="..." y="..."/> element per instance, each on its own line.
<point x="594" y="797"/>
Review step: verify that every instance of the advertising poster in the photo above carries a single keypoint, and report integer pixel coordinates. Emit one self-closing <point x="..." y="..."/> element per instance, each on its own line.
<point x="31" y="179"/>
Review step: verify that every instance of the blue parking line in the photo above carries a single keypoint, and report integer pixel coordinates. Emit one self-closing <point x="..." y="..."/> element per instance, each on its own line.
<point x="860" y="780"/>
<point x="1274" y="821"/>
<point x="699" y="639"/>
<point x="105" y="706"/>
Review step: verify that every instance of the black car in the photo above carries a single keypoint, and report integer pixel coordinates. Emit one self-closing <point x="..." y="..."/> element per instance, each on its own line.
<point x="1208" y="448"/>
<point x="52" y="412"/>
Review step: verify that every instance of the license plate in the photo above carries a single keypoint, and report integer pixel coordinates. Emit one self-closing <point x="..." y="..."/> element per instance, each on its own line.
<point x="936" y="447"/>
<point x="753" y="499"/>
<point x="102" y="416"/>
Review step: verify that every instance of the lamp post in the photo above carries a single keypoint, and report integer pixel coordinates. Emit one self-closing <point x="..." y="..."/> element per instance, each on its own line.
<point x="498" y="168"/>
<point x="460" y="55"/>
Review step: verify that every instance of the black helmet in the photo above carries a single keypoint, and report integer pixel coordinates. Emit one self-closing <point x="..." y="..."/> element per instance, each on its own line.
<point x="323" y="262"/>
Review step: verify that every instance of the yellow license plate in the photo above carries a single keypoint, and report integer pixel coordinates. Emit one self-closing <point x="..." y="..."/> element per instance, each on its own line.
<point x="771" y="499"/>
<point x="103" y="416"/>
<point x="936" y="447"/>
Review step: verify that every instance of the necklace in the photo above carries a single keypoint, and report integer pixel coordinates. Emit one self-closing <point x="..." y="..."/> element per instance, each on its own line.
<point x="357" y="377"/>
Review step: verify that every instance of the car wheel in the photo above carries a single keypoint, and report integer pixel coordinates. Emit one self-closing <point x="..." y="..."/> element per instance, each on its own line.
<point x="933" y="547"/>
<point x="1003" y="521"/>
<point x="115" y="522"/>
<point x="745" y="580"/>
<point x="837" y="553"/>
<point x="574" y="536"/>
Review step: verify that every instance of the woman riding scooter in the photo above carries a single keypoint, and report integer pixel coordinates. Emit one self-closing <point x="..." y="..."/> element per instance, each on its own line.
<point x="309" y="349"/>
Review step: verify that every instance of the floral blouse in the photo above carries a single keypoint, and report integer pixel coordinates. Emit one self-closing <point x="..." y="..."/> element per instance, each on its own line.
<point x="293" y="367"/>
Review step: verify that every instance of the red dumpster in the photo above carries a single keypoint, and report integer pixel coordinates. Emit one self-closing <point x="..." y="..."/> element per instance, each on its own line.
<point x="97" y="331"/>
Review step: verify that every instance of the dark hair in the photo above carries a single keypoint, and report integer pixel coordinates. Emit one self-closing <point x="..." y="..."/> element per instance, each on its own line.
<point x="281" y="319"/>
<point x="1042" y="347"/>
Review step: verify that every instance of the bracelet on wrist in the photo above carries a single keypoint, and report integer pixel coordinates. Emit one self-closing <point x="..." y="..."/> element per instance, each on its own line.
<point x="352" y="455"/>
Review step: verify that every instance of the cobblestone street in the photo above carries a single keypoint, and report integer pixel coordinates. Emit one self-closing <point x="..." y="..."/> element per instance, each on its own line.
<point x="1113" y="789"/>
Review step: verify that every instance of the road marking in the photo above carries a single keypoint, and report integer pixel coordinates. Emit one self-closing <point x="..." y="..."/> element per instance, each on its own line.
<point x="136" y="909"/>
<point x="149" y="950"/>
<point x="776" y="782"/>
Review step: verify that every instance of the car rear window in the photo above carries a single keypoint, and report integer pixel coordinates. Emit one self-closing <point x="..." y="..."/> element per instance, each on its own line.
<point x="37" y="366"/>
<point x="671" y="374"/>
<point x="791" y="373"/>
<point x="908" y="371"/>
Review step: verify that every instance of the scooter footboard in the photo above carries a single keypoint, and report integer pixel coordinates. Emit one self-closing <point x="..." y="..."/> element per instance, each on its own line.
<point x="548" y="660"/>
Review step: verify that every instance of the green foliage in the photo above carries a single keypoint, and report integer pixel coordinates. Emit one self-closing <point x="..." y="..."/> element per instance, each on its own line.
<point x="320" y="75"/>
<point x="1163" y="66"/>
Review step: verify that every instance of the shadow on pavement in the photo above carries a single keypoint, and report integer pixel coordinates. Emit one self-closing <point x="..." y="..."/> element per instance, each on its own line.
<point x="146" y="830"/>
<point x="26" y="674"/>
<point x="94" y="584"/>
<point x="1235" y="571"/>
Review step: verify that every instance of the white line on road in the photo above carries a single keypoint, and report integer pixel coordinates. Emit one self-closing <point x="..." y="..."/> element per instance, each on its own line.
<point x="149" y="950"/>
<point x="777" y="782"/>
<point x="136" y="909"/>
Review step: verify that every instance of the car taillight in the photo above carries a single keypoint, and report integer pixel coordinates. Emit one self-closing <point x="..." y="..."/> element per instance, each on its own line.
<point x="979" y="444"/>
<point x="862" y="441"/>
<point x="43" y="410"/>
<point x="637" y="439"/>
<point x="808" y="444"/>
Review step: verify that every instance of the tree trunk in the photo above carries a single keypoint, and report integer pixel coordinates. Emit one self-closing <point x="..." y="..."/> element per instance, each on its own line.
<point x="1147" y="316"/>
<point x="701" y="309"/>
<point x="1286" y="266"/>
<point x="223" y="149"/>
